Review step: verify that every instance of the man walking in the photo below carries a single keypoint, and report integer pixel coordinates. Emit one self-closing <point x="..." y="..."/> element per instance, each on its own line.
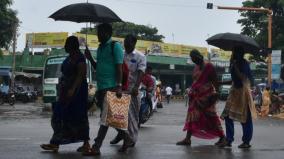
<point x="169" y="93"/>
<point x="109" y="76"/>
<point x="136" y="63"/>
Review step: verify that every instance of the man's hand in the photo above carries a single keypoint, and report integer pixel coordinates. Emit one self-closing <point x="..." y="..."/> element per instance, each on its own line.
<point x="118" y="92"/>
<point x="134" y="91"/>
<point x="88" y="54"/>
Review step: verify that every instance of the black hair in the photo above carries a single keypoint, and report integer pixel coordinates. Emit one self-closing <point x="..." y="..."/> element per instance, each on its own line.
<point x="131" y="37"/>
<point x="239" y="51"/>
<point x="196" y="53"/>
<point x="106" y="27"/>
<point x="72" y="42"/>
<point x="149" y="68"/>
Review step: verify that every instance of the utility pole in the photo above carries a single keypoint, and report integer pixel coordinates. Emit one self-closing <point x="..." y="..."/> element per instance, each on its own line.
<point x="269" y="14"/>
<point x="14" y="57"/>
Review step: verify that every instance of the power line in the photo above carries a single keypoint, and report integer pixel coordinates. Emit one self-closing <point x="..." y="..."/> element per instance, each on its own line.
<point x="162" y="4"/>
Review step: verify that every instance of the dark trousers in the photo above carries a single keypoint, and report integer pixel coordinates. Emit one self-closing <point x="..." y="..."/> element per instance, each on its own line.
<point x="168" y="98"/>
<point x="247" y="129"/>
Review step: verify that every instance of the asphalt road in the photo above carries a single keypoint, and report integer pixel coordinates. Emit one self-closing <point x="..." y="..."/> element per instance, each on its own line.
<point x="23" y="128"/>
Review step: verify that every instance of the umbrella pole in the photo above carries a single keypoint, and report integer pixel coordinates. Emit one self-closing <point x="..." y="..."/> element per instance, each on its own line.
<point x="86" y="35"/>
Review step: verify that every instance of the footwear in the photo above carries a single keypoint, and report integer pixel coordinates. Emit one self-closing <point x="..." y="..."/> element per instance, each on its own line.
<point x="123" y="148"/>
<point x="220" y="141"/>
<point x="116" y="140"/>
<point x="225" y="143"/>
<point x="50" y="147"/>
<point x="184" y="142"/>
<point x="244" y="146"/>
<point x="131" y="144"/>
<point x="92" y="152"/>
<point x="84" y="148"/>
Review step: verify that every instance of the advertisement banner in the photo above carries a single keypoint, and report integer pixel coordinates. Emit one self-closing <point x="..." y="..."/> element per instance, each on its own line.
<point x="57" y="39"/>
<point x="276" y="64"/>
<point x="218" y="54"/>
<point x="146" y="47"/>
<point x="46" y="40"/>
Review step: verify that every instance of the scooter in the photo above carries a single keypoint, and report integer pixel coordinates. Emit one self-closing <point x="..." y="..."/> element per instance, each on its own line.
<point x="145" y="108"/>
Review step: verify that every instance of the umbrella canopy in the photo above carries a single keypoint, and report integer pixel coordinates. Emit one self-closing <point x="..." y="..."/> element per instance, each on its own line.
<point x="227" y="41"/>
<point x="86" y="12"/>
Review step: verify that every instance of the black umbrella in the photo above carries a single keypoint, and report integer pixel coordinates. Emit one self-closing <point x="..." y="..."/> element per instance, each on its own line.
<point x="86" y="12"/>
<point x="227" y="41"/>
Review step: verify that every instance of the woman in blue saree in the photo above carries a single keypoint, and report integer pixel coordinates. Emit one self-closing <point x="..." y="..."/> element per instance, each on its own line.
<point x="69" y="119"/>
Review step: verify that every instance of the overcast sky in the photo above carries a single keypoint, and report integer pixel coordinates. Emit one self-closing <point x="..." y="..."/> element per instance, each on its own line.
<point x="180" y="21"/>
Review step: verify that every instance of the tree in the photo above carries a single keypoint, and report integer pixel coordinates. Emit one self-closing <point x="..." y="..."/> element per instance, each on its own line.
<point x="123" y="28"/>
<point x="8" y="23"/>
<point x="255" y="23"/>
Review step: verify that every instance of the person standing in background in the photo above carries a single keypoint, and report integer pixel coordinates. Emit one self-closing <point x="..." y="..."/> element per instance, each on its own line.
<point x="169" y="93"/>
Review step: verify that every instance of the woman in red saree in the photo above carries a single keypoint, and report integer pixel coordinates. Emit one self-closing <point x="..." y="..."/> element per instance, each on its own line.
<point x="202" y="120"/>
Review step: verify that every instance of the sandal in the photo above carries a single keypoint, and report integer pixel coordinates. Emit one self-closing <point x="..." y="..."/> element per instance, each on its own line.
<point x="83" y="148"/>
<point x="50" y="147"/>
<point x="224" y="143"/>
<point x="91" y="152"/>
<point x="184" y="142"/>
<point x="220" y="141"/>
<point x="244" y="146"/>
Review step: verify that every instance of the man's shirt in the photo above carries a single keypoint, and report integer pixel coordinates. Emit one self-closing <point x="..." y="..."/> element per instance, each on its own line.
<point x="135" y="61"/>
<point x="106" y="64"/>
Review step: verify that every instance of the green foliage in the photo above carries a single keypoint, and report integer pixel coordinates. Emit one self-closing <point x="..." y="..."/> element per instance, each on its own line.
<point x="8" y="21"/>
<point x="123" y="28"/>
<point x="255" y="24"/>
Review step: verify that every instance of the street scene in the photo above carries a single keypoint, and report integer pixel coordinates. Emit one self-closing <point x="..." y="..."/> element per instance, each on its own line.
<point x="141" y="79"/>
<point x="157" y="137"/>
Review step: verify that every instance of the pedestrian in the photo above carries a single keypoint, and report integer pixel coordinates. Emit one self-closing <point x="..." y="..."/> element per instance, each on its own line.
<point x="265" y="102"/>
<point x="186" y="97"/>
<point x="148" y="83"/>
<point x="169" y="93"/>
<point x="109" y="77"/>
<point x="159" y="95"/>
<point x="239" y="105"/>
<point x="70" y="116"/>
<point x="202" y="120"/>
<point x="136" y="62"/>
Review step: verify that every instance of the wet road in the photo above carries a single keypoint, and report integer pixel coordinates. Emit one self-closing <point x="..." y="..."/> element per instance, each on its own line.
<point x="24" y="128"/>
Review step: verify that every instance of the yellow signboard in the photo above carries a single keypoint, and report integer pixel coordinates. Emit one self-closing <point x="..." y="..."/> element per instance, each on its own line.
<point x="43" y="40"/>
<point x="218" y="54"/>
<point x="57" y="39"/>
<point x="147" y="47"/>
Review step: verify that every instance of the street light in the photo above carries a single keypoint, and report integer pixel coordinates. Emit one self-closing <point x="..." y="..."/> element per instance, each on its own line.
<point x="269" y="14"/>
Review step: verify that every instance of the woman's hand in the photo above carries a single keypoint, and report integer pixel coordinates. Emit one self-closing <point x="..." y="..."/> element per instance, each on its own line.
<point x="70" y="93"/>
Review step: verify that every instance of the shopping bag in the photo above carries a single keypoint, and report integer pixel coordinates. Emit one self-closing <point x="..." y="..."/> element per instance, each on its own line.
<point x="117" y="110"/>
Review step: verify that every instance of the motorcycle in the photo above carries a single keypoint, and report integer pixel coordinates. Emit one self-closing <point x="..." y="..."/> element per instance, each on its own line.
<point x="7" y="98"/>
<point x="145" y="107"/>
<point x="23" y="95"/>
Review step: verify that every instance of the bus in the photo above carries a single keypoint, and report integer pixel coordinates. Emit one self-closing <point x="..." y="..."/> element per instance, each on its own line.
<point x="52" y="73"/>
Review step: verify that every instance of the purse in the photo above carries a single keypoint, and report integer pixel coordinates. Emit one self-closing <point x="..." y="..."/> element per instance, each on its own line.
<point x="117" y="110"/>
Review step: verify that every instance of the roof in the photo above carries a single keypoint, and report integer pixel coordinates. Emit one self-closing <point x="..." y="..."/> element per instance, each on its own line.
<point x="29" y="75"/>
<point x="5" y="72"/>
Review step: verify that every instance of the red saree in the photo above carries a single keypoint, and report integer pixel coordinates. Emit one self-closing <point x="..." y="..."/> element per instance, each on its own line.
<point x="202" y="119"/>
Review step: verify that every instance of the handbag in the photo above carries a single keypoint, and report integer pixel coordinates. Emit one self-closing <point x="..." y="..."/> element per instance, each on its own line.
<point x="117" y="110"/>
